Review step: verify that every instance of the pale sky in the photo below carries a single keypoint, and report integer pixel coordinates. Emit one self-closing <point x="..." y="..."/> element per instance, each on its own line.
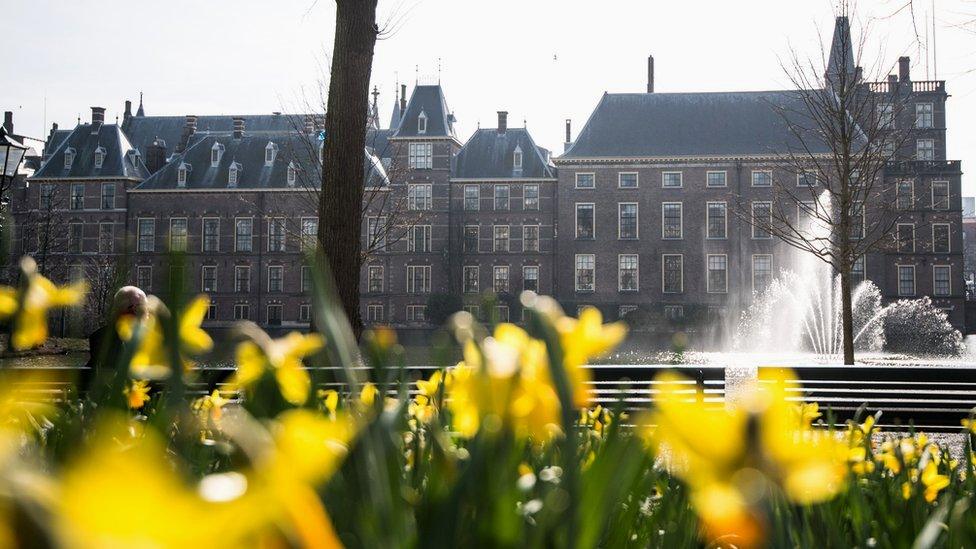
<point x="541" y="60"/>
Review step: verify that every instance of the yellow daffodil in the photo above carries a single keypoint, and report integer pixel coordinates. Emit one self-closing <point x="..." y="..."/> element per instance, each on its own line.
<point x="152" y="357"/>
<point x="969" y="425"/>
<point x="584" y="339"/>
<point x="859" y="462"/>
<point x="330" y="399"/>
<point x="29" y="306"/>
<point x="137" y="394"/>
<point x="282" y="356"/>
<point x="933" y="481"/>
<point x="368" y="394"/>
<point x="210" y="407"/>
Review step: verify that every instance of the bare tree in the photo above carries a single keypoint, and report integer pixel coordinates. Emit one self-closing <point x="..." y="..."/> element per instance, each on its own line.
<point x="845" y="131"/>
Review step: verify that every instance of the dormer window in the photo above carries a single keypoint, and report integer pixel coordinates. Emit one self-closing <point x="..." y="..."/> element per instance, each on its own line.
<point x="99" y="157"/>
<point x="134" y="157"/>
<point x="292" y="174"/>
<point x="181" y="174"/>
<point x="269" y="153"/>
<point x="422" y="123"/>
<point x="215" y="153"/>
<point x="69" y="158"/>
<point x="517" y="158"/>
<point x="233" y="174"/>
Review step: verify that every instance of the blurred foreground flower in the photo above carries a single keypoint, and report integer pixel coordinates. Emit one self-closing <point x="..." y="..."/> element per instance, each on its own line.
<point x="28" y="306"/>
<point x="283" y="357"/>
<point x="152" y="357"/>
<point x="137" y="394"/>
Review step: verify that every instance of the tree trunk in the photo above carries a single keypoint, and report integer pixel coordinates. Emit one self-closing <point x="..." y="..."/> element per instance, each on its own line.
<point x="343" y="170"/>
<point x="847" y="314"/>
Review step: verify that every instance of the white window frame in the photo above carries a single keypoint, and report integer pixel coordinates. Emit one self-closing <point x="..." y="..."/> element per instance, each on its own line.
<point x="725" y="179"/>
<point x="152" y="235"/>
<point x="681" y="221"/>
<point x="242" y="311"/>
<point x="495" y="198"/>
<point x="101" y="196"/>
<point x="273" y="222"/>
<point x="375" y="312"/>
<point x="420" y="197"/>
<point x="898" y="269"/>
<point x="477" y="279"/>
<point x="538" y="275"/>
<point x="239" y="269"/>
<point x="538" y="238"/>
<point x="425" y="281"/>
<point x="281" y="313"/>
<point x="477" y="197"/>
<point x="898" y="194"/>
<point x="592" y="179"/>
<point x="708" y="220"/>
<point x="369" y="278"/>
<point x="233" y="174"/>
<point x="270" y="152"/>
<point x="620" y="179"/>
<point x="186" y="234"/>
<point x="919" y="114"/>
<point x="99" y="157"/>
<point x="517" y="158"/>
<point x="664" y="179"/>
<point x="422" y="123"/>
<point x="755" y="228"/>
<point x="681" y="281"/>
<point x="936" y="268"/>
<point x="898" y="227"/>
<point x="111" y="240"/>
<point x="181" y="173"/>
<point x="886" y="116"/>
<point x="203" y="234"/>
<point x="754" y="256"/>
<point x="620" y="287"/>
<point x="799" y="179"/>
<point x="538" y="197"/>
<point x="291" y="175"/>
<point x="427" y="240"/>
<point x="305" y="312"/>
<point x="420" y="155"/>
<point x="636" y="206"/>
<point x="576" y="209"/>
<point x="203" y="278"/>
<point x="757" y="172"/>
<point x="71" y="196"/>
<point x="477" y="240"/>
<point x="918" y="149"/>
<point x="237" y="248"/>
<point x="940" y="182"/>
<point x="216" y="153"/>
<point x="576" y="268"/>
<point x="139" y="270"/>
<point x="69" y="158"/>
<point x="281" y="279"/>
<point x="495" y="269"/>
<point x="708" y="288"/>
<point x="412" y="313"/>
<point x="494" y="238"/>
<point x="948" y="227"/>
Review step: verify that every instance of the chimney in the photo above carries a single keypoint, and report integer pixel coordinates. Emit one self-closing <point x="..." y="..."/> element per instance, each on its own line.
<point x="155" y="155"/>
<point x="569" y="135"/>
<point x="309" y="124"/>
<point x="502" y="121"/>
<point x="403" y="99"/>
<point x="127" y="114"/>
<point x="8" y="122"/>
<point x="892" y="82"/>
<point x="238" y="127"/>
<point x="189" y="128"/>
<point x="904" y="73"/>
<point x="650" y="74"/>
<point x="98" y="115"/>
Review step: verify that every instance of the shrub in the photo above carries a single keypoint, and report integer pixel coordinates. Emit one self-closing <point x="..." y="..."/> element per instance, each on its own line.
<point x="915" y="326"/>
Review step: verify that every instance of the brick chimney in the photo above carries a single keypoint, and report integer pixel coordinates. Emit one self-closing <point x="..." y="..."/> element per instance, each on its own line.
<point x="904" y="64"/>
<point x="127" y="114"/>
<point x="569" y="135"/>
<point x="98" y="115"/>
<point x="650" y="74"/>
<point x="892" y="82"/>
<point x="155" y="155"/>
<point x="403" y="99"/>
<point x="189" y="128"/>
<point x="8" y="122"/>
<point x="502" y="121"/>
<point x="238" y="127"/>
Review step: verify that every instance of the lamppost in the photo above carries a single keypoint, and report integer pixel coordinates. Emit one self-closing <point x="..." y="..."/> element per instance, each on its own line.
<point x="11" y="154"/>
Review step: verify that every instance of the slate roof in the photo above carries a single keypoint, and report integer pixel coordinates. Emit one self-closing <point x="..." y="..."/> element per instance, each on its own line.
<point x="142" y="130"/>
<point x="489" y="154"/>
<point x="378" y="141"/>
<point x="55" y="139"/>
<point x="85" y="139"/>
<point x="841" y="49"/>
<point x="429" y="100"/>
<point x="249" y="152"/>
<point x="692" y="124"/>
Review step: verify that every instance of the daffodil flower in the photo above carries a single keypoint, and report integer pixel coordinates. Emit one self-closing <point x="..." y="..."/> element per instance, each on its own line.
<point x="933" y="481"/>
<point x="29" y="309"/>
<point x="283" y="357"/>
<point x="137" y="394"/>
<point x="151" y="358"/>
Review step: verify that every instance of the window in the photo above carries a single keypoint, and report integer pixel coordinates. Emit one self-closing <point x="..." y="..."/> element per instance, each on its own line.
<point x="418" y="279"/>
<point x="627" y="180"/>
<point x="374" y="279"/>
<point x="473" y="310"/>
<point x="147" y="235"/>
<point x="940" y="238"/>
<point x="672" y="273"/>
<point x="420" y="156"/>
<point x="501" y="237"/>
<point x="716" y="220"/>
<point x="211" y="234"/>
<point x="108" y="196"/>
<point x="418" y="238"/>
<point x="624" y="310"/>
<point x="419" y="196"/>
<point x="307" y="278"/>
<point x="416" y="313"/>
<point x="940" y="195"/>
<point x="585" y="180"/>
<point x="309" y="236"/>
<point x="530" y="278"/>
<point x="906" y="280"/>
<point x="69" y="158"/>
<point x="177" y="234"/>
<point x="501" y="313"/>
<point x="718" y="281"/>
<point x="144" y="277"/>
<point x="806" y="179"/>
<point x="905" y="194"/>
<point x="291" y="174"/>
<point x="857" y="272"/>
<point x="211" y="311"/>
<point x="276" y="275"/>
<point x="585" y="272"/>
<point x="274" y="315"/>
<point x="671" y="222"/>
<point x="472" y="197"/>
<point x="628" y="279"/>
<point x="305" y="312"/>
<point x="941" y="280"/>
<point x="106" y="238"/>
<point x="374" y="312"/>
<point x="181" y="175"/>
<point x="674" y="312"/>
<point x="242" y="311"/>
<point x="517" y="158"/>
<point x="502" y="195"/>
<point x="46" y="193"/>
<point x="471" y="235"/>
<point x="242" y="278"/>
<point x="925" y="149"/>
<point x="671" y="179"/>
<point x="78" y="196"/>
<point x="530" y="238"/>
<point x="762" y="272"/>
<point x="716" y="179"/>
<point x="585" y="229"/>
<point x="243" y="236"/>
<point x="422" y="123"/>
<point x="627" y="220"/>
<point x="208" y="275"/>
<point x="471" y="282"/>
<point x="269" y="153"/>
<point x="923" y="115"/>
<point x="276" y="234"/>
<point x="99" y="157"/>
<point x="906" y="237"/>
<point x="530" y="197"/>
<point x="233" y="174"/>
<point x="762" y="178"/>
<point x="857" y="221"/>
<point x="375" y="233"/>
<point x="499" y="279"/>
<point x="216" y="152"/>
<point x="886" y="116"/>
<point x="762" y="219"/>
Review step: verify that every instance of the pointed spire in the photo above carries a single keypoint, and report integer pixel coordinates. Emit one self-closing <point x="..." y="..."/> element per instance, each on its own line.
<point x="141" y="111"/>
<point x="840" y="65"/>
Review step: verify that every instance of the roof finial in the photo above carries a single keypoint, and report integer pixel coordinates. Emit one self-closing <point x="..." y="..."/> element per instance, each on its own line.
<point x="141" y="111"/>
<point x="416" y="75"/>
<point x="438" y="71"/>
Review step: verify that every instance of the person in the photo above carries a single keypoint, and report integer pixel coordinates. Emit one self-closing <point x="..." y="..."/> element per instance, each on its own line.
<point x="104" y="344"/>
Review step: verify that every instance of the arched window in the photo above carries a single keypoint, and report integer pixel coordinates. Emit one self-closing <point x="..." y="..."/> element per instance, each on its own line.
<point x="233" y="174"/>
<point x="69" y="158"/>
<point x="292" y="174"/>
<point x="269" y="153"/>
<point x="517" y="158"/>
<point x="99" y="157"/>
